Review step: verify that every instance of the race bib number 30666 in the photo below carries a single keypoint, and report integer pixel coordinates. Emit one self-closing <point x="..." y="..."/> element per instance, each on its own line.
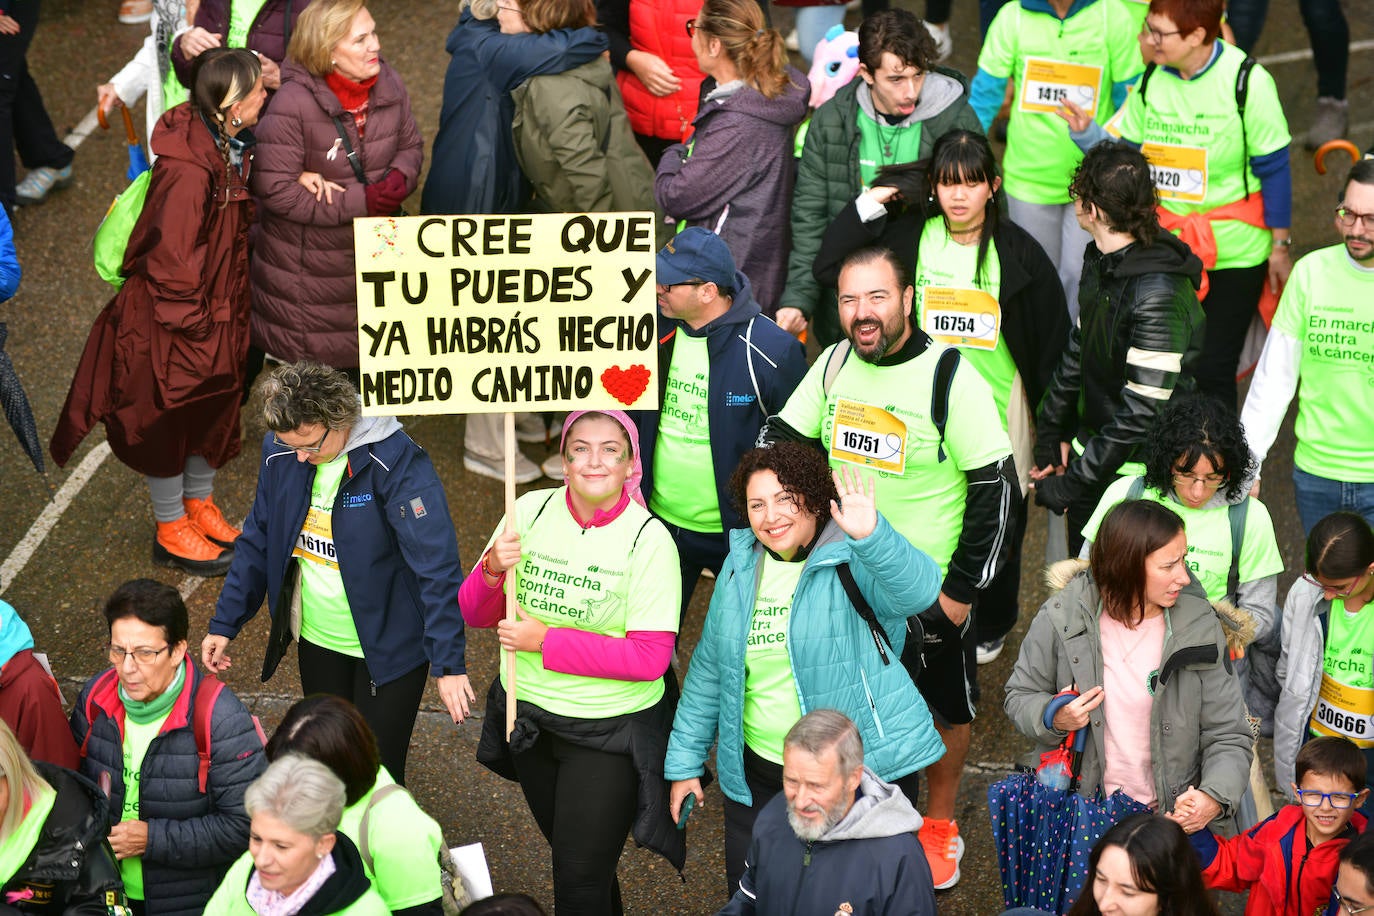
<point x="868" y="436"/>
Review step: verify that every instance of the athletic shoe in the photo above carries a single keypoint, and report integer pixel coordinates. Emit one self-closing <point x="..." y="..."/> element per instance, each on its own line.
<point x="553" y="466"/>
<point x="792" y="42"/>
<point x="944" y="848"/>
<point x="135" y="12"/>
<point x="179" y="545"/>
<point x="495" y="468"/>
<point x="209" y="521"/>
<point x="944" y="43"/>
<point x="38" y="182"/>
<point x="988" y="651"/>
<point x="529" y="427"/>
<point x="1331" y="122"/>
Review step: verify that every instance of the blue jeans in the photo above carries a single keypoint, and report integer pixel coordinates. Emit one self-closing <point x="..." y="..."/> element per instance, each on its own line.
<point x="812" y="24"/>
<point x="1317" y="497"/>
<point x="1327" y="30"/>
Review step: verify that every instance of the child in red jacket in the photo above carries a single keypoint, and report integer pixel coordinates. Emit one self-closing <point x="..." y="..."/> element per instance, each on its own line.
<point x="1289" y="862"/>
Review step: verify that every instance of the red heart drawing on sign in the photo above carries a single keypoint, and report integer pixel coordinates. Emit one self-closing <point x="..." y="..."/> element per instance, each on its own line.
<point x="625" y="385"/>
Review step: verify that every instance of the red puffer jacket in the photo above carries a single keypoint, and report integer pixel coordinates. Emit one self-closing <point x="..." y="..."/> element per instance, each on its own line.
<point x="659" y="27"/>
<point x="304" y="300"/>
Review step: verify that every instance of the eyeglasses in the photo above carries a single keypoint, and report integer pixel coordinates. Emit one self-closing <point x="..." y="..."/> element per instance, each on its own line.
<point x="691" y="25"/>
<point x="1311" y="798"/>
<point x="1336" y="591"/>
<point x="1211" y="481"/>
<point x="1157" y="36"/>
<point x="303" y="449"/>
<point x="143" y="655"/>
<point x="1343" y="904"/>
<point x="1348" y="218"/>
<point x="511" y="9"/>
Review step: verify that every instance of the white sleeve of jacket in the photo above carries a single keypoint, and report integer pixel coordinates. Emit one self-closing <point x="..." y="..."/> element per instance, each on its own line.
<point x="1271" y="391"/>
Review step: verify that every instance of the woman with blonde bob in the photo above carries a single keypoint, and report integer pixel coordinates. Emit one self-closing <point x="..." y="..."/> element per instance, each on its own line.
<point x="52" y="836"/>
<point x="339" y="143"/>
<point x="756" y="105"/>
<point x="296" y="862"/>
<point x="571" y="135"/>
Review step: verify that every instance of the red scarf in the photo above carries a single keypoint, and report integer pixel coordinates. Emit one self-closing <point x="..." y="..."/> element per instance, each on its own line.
<point x="352" y="95"/>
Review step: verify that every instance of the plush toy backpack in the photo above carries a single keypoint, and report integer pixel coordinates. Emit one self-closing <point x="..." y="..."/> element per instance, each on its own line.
<point x="835" y="62"/>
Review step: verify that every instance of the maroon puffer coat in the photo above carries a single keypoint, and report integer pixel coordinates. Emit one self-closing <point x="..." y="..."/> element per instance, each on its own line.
<point x="163" y="365"/>
<point x="304" y="298"/>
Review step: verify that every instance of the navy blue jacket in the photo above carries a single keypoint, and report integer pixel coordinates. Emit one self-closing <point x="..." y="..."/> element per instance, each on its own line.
<point x="397" y="551"/>
<point x="474" y="168"/>
<point x="751" y="359"/>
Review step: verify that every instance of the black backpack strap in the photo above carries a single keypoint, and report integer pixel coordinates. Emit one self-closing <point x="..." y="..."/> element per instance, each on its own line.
<point x="1243" y="93"/>
<point x="939" y="395"/>
<point x="1145" y="81"/>
<point x="1236" y="513"/>
<point x="350" y="152"/>
<point x="856" y="598"/>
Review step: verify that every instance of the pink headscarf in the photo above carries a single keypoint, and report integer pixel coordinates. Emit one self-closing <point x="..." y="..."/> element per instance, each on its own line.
<point x="636" y="468"/>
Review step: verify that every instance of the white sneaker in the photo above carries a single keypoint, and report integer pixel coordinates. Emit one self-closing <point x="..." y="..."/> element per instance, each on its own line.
<point x="529" y="427"/>
<point x="987" y="652"/>
<point x="552" y="466"/>
<point x="792" y="42"/>
<point x="944" y="43"/>
<point x="495" y="468"/>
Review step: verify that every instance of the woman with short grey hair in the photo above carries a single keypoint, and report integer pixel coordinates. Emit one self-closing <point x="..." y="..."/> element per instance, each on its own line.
<point x="296" y="861"/>
<point x="351" y="542"/>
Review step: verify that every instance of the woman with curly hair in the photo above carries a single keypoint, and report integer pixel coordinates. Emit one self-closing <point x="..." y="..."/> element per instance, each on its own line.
<point x="1197" y="463"/>
<point x="786" y="633"/>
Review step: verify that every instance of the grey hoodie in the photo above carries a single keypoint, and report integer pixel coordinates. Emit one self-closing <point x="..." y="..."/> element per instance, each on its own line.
<point x="880" y="810"/>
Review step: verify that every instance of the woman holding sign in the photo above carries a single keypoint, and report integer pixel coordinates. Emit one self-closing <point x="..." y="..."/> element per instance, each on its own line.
<point x="1210" y="122"/>
<point x="596" y="579"/>
<point x="786" y="633"/>
<point x="985" y="286"/>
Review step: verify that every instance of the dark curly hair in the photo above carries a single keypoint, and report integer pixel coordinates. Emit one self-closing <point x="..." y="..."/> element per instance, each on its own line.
<point x="1115" y="178"/>
<point x="1192" y="427"/>
<point x="800" y="469"/>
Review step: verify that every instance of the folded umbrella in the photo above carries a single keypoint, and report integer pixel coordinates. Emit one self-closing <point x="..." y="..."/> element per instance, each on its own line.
<point x="138" y="159"/>
<point x="16" y="406"/>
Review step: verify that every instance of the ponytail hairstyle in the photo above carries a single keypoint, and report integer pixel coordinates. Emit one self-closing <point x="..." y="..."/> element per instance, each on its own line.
<point x="965" y="157"/>
<point x="221" y="78"/>
<point x="755" y="49"/>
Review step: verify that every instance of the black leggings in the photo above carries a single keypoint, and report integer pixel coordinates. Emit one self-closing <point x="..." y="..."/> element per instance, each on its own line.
<point x="1231" y="304"/>
<point x="764" y="779"/>
<point x="389" y="709"/>
<point x="584" y="801"/>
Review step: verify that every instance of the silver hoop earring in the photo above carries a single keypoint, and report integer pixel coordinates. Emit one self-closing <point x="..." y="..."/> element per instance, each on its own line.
<point x="236" y="122"/>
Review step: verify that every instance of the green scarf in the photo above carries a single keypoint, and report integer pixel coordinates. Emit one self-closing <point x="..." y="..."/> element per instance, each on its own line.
<point x="158" y="706"/>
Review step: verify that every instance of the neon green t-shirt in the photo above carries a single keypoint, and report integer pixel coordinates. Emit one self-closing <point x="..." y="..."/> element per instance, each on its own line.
<point x="771" y="704"/>
<point x="883" y="144"/>
<point x="684" y="475"/>
<point x="1138" y="9"/>
<point x="241" y="16"/>
<point x="1190" y="131"/>
<point x="592" y="580"/>
<point x="885" y="411"/>
<point x="957" y="311"/>
<point x="326" y="619"/>
<point x="137" y="739"/>
<point x="1345" y="705"/>
<point x="1328" y="307"/>
<point x="1047" y="60"/>
<point x="403" y="842"/>
<point x="1209" y="537"/>
<point x="15" y="850"/>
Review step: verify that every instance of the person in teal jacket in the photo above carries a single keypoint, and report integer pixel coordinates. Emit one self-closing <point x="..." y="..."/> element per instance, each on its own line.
<point x="782" y="637"/>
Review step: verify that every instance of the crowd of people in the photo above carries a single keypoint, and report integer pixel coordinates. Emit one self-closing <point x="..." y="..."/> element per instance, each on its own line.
<point x="1060" y="326"/>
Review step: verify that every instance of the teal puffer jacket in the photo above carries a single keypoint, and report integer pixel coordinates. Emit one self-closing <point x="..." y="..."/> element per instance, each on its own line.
<point x="834" y="662"/>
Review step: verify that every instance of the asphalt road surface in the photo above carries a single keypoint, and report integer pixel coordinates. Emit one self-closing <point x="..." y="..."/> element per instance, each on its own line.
<point x="68" y="539"/>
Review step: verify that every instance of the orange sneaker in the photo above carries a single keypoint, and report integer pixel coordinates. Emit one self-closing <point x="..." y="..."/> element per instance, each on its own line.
<point x="944" y="848"/>
<point x="179" y="545"/>
<point x="209" y="521"/>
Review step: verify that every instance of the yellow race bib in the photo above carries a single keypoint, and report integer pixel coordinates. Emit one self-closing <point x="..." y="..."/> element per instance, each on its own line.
<point x="961" y="317"/>
<point x="1047" y="84"/>
<point x="315" y="543"/>
<point x="868" y="436"/>
<point x="1179" y="172"/>
<point x="1344" y="711"/>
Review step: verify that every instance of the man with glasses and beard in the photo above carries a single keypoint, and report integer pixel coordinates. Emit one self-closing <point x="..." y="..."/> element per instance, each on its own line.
<point x="906" y="408"/>
<point x="837" y="839"/>
<point x="1323" y="337"/>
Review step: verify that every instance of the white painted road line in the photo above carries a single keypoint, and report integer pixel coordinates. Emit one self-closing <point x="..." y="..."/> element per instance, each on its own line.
<point x="52" y="512"/>
<point x="1291" y="57"/>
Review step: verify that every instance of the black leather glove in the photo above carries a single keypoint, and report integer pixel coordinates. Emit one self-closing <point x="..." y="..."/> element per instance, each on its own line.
<point x="1054" y="493"/>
